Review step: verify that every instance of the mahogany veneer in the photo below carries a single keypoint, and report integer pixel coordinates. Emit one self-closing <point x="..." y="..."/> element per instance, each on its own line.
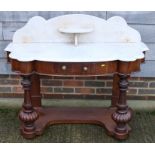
<point x="35" y="118"/>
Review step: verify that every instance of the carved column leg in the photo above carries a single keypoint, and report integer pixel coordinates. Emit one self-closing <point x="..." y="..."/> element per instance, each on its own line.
<point x="27" y="114"/>
<point x="122" y="115"/>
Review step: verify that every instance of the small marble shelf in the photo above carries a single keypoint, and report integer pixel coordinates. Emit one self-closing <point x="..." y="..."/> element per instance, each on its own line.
<point x="76" y="31"/>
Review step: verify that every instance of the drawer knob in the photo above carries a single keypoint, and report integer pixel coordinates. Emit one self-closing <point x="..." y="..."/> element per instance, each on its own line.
<point x="102" y="65"/>
<point x="85" y="68"/>
<point x="64" y="67"/>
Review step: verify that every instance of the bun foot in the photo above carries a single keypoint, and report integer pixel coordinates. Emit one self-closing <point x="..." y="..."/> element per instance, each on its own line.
<point x="28" y="135"/>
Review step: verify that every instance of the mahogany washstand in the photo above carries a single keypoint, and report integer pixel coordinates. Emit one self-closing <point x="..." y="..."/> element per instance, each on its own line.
<point x="35" y="118"/>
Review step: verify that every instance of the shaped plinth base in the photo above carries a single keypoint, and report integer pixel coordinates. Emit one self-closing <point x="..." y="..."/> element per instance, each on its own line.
<point x="77" y="115"/>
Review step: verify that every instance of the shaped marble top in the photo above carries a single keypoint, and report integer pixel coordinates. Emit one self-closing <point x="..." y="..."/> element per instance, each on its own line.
<point x="55" y="40"/>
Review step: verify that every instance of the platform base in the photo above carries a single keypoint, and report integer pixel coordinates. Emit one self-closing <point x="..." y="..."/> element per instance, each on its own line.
<point x="77" y="115"/>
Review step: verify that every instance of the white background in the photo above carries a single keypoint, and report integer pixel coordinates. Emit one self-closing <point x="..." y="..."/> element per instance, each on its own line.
<point x="78" y="5"/>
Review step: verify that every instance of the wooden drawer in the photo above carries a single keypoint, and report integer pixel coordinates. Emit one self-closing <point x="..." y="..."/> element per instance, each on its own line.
<point x="84" y="68"/>
<point x="65" y="68"/>
<point x="74" y="68"/>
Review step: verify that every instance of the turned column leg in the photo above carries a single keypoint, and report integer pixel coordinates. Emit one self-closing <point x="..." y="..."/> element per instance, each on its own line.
<point x="122" y="115"/>
<point x="27" y="114"/>
<point x="35" y="90"/>
<point x="115" y="90"/>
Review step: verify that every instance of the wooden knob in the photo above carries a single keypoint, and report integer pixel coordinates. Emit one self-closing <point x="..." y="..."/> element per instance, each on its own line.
<point x="85" y="68"/>
<point x="64" y="67"/>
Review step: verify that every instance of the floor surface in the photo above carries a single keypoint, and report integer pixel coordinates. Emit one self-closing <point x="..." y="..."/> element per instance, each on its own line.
<point x="143" y="124"/>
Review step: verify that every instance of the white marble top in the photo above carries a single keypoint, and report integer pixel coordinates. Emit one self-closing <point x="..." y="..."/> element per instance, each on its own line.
<point x="98" y="40"/>
<point x="85" y="52"/>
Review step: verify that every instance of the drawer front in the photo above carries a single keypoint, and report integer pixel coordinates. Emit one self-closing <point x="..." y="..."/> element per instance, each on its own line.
<point x="71" y="68"/>
<point x="74" y="69"/>
<point x="84" y="68"/>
